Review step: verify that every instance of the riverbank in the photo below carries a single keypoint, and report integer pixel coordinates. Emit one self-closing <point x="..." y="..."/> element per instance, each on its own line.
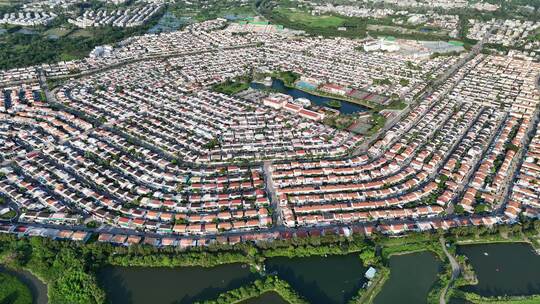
<point x="368" y="295"/>
<point x="533" y="242"/>
<point x="258" y="288"/>
<point x="142" y="285"/>
<point x="316" y="101"/>
<point x="36" y="286"/>
<point x="13" y="290"/>
<point x="365" y="103"/>
<point x="476" y="299"/>
<point x="405" y="246"/>
<point x="289" y="82"/>
<point x="60" y="264"/>
<point x="495" y="271"/>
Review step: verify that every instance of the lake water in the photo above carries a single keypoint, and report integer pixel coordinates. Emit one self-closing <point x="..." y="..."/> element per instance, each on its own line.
<point x="270" y="297"/>
<point x="507" y="269"/>
<point x="278" y="85"/>
<point x="411" y="278"/>
<point x="37" y="287"/>
<point x="503" y="269"/>
<point x="142" y="285"/>
<point x="324" y="280"/>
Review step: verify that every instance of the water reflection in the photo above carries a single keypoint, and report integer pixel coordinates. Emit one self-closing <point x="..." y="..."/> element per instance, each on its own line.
<point x="411" y="278"/>
<point x="332" y="279"/>
<point x="269" y="297"/>
<point x="37" y="288"/>
<point x="503" y="269"/>
<point x="134" y="285"/>
<point x="279" y="86"/>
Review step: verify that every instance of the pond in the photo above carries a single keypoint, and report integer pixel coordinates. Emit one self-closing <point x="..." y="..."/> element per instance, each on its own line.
<point x="411" y="278"/>
<point x="279" y="86"/>
<point x="270" y="297"/>
<point x="141" y="285"/>
<point x="36" y="286"/>
<point x="325" y="280"/>
<point x="503" y="269"/>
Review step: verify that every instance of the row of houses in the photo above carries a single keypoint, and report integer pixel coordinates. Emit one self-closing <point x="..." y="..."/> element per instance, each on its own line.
<point x="153" y="103"/>
<point x="130" y="239"/>
<point x="448" y="151"/>
<point x="28" y="18"/>
<point x="128" y="17"/>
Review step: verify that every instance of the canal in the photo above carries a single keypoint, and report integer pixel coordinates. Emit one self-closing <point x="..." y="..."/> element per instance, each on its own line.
<point x="36" y="286"/>
<point x="279" y="86"/>
<point x="411" y="277"/>
<point x="142" y="285"/>
<point x="322" y="280"/>
<point x="503" y="269"/>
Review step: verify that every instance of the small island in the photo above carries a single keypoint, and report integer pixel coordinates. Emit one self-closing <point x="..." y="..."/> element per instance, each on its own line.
<point x="336" y="104"/>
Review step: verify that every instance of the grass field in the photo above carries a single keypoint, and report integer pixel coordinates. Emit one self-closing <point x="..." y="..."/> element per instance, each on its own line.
<point x="402" y="30"/>
<point x="231" y="87"/>
<point x="246" y="11"/>
<point x="57" y="31"/>
<point x="81" y="33"/>
<point x="535" y="36"/>
<point x="475" y="299"/>
<point x="9" y="2"/>
<point x="310" y="20"/>
<point x="319" y="25"/>
<point x="68" y="57"/>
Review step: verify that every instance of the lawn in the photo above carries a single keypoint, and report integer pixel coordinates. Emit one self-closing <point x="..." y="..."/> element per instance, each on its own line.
<point x="81" y="33"/>
<point x="244" y="11"/>
<point x="231" y="87"/>
<point x="310" y="20"/>
<point x="377" y="122"/>
<point x="9" y="2"/>
<point x="535" y="36"/>
<point x="398" y="30"/>
<point x="68" y="57"/>
<point x="476" y="299"/>
<point x="57" y="31"/>
<point x="10" y="214"/>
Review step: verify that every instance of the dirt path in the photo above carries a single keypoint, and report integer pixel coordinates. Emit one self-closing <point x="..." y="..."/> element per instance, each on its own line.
<point x="455" y="270"/>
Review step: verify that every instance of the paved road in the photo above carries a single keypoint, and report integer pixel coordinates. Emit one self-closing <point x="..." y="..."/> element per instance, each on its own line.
<point x="455" y="270"/>
<point x="476" y="163"/>
<point x="277" y="216"/>
<point x="125" y="61"/>
<point x="517" y="162"/>
<point x="475" y="50"/>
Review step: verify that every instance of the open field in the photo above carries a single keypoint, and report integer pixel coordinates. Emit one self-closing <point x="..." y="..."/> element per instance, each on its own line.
<point x="57" y="31"/>
<point x="245" y="11"/>
<point x="9" y="2"/>
<point x="403" y="31"/>
<point x="310" y="20"/>
<point x="81" y="33"/>
<point x="535" y="36"/>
